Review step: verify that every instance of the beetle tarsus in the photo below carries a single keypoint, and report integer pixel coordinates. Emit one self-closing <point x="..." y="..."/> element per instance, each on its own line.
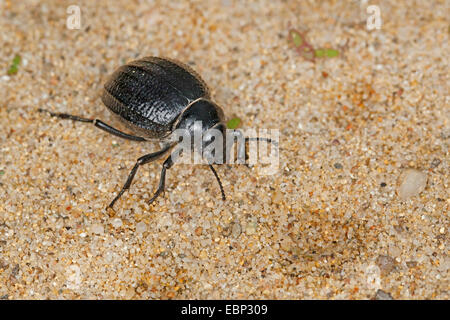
<point x="162" y="181"/>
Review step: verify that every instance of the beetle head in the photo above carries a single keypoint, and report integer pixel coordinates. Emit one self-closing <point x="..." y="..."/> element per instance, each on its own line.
<point x="202" y="120"/>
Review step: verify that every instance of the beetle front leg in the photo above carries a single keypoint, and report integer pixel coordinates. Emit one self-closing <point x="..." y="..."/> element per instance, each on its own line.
<point x="162" y="181"/>
<point x="142" y="160"/>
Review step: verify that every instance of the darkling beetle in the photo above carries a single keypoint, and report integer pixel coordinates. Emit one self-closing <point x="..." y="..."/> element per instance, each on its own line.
<point x="153" y="96"/>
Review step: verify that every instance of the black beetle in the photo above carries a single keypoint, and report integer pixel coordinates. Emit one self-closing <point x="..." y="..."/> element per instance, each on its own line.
<point x="154" y="96"/>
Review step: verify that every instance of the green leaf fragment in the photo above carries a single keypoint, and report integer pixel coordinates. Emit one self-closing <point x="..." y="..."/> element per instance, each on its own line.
<point x="13" y="70"/>
<point x="307" y="53"/>
<point x="326" y="53"/>
<point x="233" y="123"/>
<point x="2" y="172"/>
<point x="15" y="65"/>
<point x="297" y="38"/>
<point x="16" y="60"/>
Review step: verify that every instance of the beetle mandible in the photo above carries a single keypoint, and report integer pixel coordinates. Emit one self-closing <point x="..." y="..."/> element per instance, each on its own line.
<point x="154" y="96"/>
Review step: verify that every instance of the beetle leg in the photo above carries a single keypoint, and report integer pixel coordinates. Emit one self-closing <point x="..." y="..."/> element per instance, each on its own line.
<point x="142" y="160"/>
<point x="162" y="181"/>
<point x="98" y="123"/>
<point x="101" y="125"/>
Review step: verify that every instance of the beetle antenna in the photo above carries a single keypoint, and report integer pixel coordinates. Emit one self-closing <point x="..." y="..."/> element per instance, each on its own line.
<point x="218" y="180"/>
<point x="260" y="139"/>
<point x="247" y="139"/>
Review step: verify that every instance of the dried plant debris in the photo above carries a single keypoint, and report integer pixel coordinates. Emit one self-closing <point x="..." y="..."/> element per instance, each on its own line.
<point x="298" y="39"/>
<point x="306" y="50"/>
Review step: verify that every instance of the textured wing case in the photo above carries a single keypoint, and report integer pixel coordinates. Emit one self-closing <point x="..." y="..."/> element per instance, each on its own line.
<point x="150" y="93"/>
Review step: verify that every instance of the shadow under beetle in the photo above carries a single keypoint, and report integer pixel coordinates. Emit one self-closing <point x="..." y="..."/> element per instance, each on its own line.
<point x="154" y="96"/>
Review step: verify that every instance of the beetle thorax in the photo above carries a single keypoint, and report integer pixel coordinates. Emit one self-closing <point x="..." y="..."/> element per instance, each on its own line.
<point x="201" y="123"/>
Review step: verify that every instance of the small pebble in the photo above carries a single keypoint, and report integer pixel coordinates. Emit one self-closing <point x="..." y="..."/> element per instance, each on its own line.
<point x="337" y="165"/>
<point x="436" y="162"/>
<point x="386" y="264"/>
<point x="203" y="255"/>
<point x="198" y="231"/>
<point x="335" y="142"/>
<point x="97" y="228"/>
<point x="250" y="228"/>
<point x="141" y="227"/>
<point x="226" y="232"/>
<point x="277" y="196"/>
<point x="236" y="230"/>
<point x="412" y="182"/>
<point x="286" y="244"/>
<point x="15" y="270"/>
<point x="382" y="295"/>
<point x="74" y="279"/>
<point x="109" y="257"/>
<point x="117" y="223"/>
<point x="164" y="253"/>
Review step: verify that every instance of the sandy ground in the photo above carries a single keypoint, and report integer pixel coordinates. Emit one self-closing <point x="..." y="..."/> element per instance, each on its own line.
<point x="357" y="210"/>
